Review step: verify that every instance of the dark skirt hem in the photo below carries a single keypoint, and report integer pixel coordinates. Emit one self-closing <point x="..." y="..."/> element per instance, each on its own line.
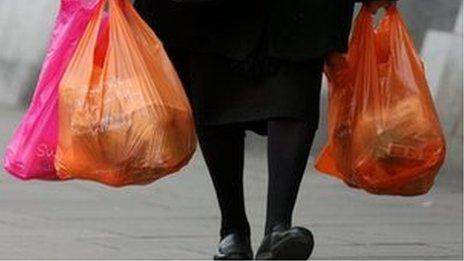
<point x="256" y="121"/>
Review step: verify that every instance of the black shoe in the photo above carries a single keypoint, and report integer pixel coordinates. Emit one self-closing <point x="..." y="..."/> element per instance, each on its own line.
<point x="296" y="243"/>
<point x="234" y="246"/>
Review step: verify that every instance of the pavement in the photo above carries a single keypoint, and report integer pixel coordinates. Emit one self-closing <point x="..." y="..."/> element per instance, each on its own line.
<point x="177" y="217"/>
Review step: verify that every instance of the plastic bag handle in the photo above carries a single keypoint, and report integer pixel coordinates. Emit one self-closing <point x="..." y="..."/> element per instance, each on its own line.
<point x="398" y="33"/>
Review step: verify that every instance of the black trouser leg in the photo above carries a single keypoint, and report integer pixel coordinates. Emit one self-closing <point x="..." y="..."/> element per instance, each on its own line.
<point x="223" y="149"/>
<point x="289" y="144"/>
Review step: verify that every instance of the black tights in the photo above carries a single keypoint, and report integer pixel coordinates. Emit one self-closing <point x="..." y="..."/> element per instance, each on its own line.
<point x="289" y="143"/>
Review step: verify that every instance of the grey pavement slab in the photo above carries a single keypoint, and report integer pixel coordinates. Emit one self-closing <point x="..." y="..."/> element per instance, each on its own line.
<point x="177" y="217"/>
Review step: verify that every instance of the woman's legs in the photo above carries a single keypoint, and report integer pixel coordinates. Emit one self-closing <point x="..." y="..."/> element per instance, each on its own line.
<point x="223" y="149"/>
<point x="289" y="144"/>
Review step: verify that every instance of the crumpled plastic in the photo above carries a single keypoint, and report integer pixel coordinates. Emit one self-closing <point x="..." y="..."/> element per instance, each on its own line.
<point x="30" y="153"/>
<point x="385" y="136"/>
<point x="124" y="117"/>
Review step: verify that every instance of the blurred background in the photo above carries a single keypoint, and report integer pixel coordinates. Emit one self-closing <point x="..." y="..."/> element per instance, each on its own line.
<point x="177" y="217"/>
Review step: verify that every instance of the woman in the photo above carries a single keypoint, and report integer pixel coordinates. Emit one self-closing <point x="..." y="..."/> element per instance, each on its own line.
<point x="254" y="65"/>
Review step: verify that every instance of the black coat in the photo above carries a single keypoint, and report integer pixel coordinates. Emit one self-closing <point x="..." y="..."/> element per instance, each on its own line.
<point x="297" y="29"/>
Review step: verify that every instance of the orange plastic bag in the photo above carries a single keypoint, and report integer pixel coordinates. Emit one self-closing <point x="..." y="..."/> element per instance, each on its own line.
<point x="384" y="133"/>
<point x="124" y="118"/>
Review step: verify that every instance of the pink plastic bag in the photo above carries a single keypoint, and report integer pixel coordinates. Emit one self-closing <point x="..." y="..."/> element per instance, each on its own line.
<point x="31" y="151"/>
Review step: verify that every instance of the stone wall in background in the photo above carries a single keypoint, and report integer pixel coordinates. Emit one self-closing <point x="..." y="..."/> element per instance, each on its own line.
<point x="25" y="27"/>
<point x="425" y="15"/>
<point x="445" y="72"/>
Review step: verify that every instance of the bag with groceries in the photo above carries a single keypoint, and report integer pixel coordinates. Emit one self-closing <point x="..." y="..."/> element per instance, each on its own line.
<point x="385" y="136"/>
<point x="124" y="118"/>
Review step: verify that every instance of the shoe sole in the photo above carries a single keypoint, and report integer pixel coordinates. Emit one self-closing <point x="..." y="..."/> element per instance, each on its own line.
<point x="291" y="247"/>
<point x="232" y="257"/>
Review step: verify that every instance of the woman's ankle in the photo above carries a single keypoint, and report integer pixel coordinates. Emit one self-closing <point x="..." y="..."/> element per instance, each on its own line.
<point x="244" y="231"/>
<point x="271" y="227"/>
